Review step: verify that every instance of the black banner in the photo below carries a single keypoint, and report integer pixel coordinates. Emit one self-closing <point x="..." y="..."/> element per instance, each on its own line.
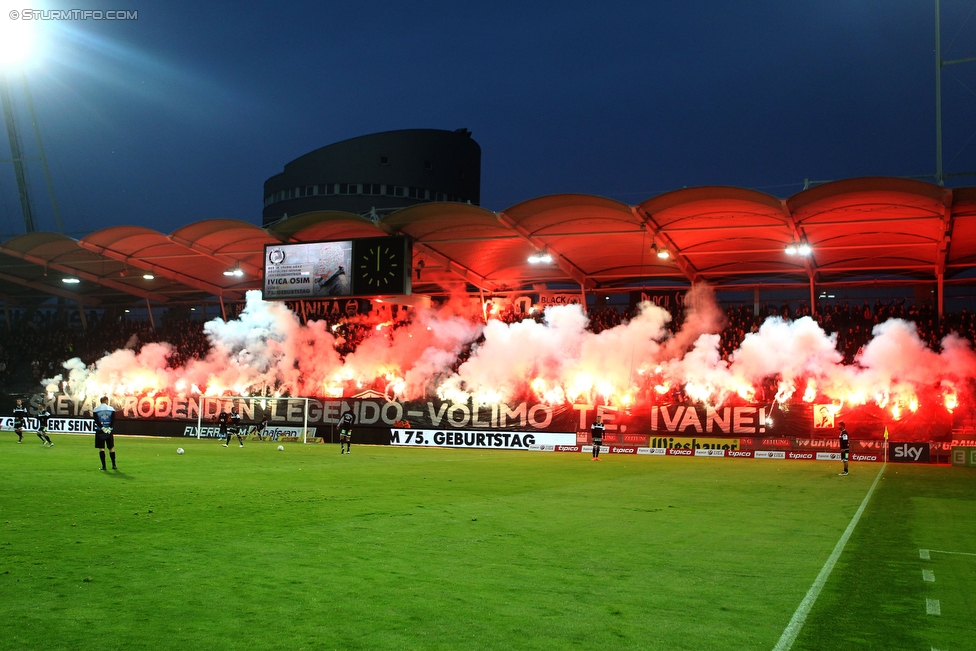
<point x="623" y="425"/>
<point x="670" y="300"/>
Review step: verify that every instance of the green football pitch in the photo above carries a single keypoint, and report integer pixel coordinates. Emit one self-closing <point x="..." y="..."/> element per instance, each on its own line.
<point x="392" y="548"/>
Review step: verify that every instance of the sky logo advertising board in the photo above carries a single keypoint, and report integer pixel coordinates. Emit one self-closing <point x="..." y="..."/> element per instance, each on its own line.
<point x="909" y="452"/>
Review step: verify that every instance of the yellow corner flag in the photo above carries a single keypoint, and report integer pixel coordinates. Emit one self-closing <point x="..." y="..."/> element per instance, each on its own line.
<point x="886" y="432"/>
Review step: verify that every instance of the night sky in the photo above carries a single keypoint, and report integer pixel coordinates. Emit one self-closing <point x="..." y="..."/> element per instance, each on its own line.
<point x="182" y="114"/>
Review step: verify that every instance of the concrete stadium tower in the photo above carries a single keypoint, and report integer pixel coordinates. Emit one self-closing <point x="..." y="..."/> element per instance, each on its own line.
<point x="376" y="174"/>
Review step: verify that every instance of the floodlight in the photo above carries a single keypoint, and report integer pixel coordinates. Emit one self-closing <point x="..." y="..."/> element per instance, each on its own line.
<point x="148" y="276"/>
<point x="70" y="281"/>
<point x="16" y="39"/>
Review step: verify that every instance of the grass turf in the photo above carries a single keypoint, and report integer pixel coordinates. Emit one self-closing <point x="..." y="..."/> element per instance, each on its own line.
<point x="392" y="548"/>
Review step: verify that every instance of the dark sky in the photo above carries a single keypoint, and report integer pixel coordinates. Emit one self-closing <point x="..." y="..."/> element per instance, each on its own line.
<point x="182" y="114"/>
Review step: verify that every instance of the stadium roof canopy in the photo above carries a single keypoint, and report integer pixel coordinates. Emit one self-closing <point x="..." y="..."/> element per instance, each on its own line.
<point x="861" y="231"/>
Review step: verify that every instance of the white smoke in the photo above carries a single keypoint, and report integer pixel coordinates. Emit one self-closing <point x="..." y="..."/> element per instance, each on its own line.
<point x="267" y="350"/>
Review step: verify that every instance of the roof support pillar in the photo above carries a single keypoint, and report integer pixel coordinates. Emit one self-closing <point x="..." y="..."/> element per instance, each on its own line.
<point x="755" y="302"/>
<point x="941" y="294"/>
<point x="567" y="266"/>
<point x="583" y="296"/>
<point x="223" y="310"/>
<point x="152" y="321"/>
<point x="81" y="313"/>
<point x="662" y="240"/>
<point x="813" y="296"/>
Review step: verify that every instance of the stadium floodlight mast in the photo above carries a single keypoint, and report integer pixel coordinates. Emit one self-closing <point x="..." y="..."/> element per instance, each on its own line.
<point x="222" y="400"/>
<point x="18" y="50"/>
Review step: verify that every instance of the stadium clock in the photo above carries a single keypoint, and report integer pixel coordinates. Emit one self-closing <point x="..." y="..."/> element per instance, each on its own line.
<point x="381" y="265"/>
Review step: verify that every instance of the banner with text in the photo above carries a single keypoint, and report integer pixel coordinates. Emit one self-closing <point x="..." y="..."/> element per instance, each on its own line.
<point x="479" y="439"/>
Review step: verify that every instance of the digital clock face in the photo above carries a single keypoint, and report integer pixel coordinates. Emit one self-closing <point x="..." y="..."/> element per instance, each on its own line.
<point x="381" y="266"/>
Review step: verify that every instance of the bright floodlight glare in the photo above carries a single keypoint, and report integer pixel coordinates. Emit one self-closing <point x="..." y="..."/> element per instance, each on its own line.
<point x="804" y="249"/>
<point x="16" y="38"/>
<point x="791" y="249"/>
<point x="664" y="254"/>
<point x="148" y="276"/>
<point x="540" y="258"/>
<point x="70" y="281"/>
<point x="234" y="272"/>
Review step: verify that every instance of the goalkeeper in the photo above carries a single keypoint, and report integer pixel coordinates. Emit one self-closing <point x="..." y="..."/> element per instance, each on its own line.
<point x="104" y="416"/>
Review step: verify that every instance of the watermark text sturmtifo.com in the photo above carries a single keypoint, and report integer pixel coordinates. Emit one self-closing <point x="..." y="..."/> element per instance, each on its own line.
<point x="73" y="14"/>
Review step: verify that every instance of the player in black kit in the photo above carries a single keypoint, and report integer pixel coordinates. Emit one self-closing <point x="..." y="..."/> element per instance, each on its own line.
<point x="235" y="426"/>
<point x="258" y="429"/>
<point x="345" y="430"/>
<point x="229" y="423"/>
<point x="845" y="447"/>
<point x="596" y="429"/>
<point x="20" y="415"/>
<point x="43" y="416"/>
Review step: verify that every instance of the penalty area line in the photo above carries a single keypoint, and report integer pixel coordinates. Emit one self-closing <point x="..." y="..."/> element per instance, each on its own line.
<point x="788" y="637"/>
<point x="939" y="551"/>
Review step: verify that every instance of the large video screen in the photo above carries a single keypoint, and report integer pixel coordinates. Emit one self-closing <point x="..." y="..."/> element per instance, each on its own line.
<point x="312" y="270"/>
<point x="364" y="267"/>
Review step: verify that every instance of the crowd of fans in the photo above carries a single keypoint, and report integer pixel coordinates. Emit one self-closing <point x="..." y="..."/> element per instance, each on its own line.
<point x="853" y="324"/>
<point x="34" y="349"/>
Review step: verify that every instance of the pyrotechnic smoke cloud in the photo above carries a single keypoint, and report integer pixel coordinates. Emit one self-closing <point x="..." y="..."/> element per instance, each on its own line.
<point x="267" y="351"/>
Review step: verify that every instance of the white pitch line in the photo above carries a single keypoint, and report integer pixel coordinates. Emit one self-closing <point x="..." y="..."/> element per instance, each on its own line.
<point x="928" y="575"/>
<point x="924" y="555"/>
<point x="938" y="551"/>
<point x="788" y="637"/>
<point x="933" y="607"/>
